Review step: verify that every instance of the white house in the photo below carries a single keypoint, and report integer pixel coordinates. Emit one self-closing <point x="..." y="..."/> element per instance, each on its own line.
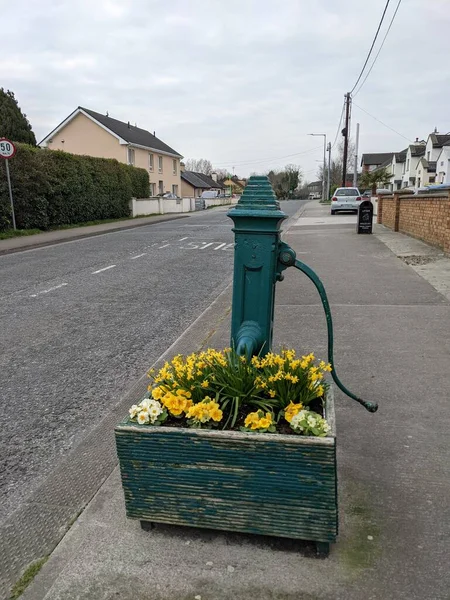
<point x="395" y="168"/>
<point x="443" y="165"/>
<point x="435" y="142"/>
<point x="414" y="153"/>
<point x="425" y="173"/>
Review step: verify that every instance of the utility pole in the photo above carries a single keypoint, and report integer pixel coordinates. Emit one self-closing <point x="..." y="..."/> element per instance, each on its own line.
<point x="329" y="170"/>
<point x="345" y="133"/>
<point x="355" y="170"/>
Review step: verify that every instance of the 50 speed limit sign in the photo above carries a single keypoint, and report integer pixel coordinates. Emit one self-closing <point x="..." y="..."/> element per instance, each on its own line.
<point x="7" y="148"/>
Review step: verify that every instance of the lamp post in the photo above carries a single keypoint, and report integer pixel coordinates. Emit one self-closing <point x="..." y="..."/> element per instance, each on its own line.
<point x="324" y="135"/>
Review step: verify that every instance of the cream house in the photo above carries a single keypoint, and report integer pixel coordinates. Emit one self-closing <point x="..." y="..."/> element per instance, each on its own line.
<point x="87" y="132"/>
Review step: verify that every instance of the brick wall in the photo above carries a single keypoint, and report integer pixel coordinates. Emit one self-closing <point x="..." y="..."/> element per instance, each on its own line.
<point x="426" y="217"/>
<point x="388" y="212"/>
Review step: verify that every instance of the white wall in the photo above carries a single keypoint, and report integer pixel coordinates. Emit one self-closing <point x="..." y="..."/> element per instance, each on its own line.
<point x="443" y="170"/>
<point x="162" y="206"/>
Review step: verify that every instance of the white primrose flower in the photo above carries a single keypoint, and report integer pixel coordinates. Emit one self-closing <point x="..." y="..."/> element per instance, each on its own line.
<point x="295" y="421"/>
<point x="154" y="412"/>
<point x="145" y="404"/>
<point x="134" y="410"/>
<point x="311" y="420"/>
<point x="143" y="417"/>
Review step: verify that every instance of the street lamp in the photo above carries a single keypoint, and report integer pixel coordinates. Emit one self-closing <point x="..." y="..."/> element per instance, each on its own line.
<point x="324" y="135"/>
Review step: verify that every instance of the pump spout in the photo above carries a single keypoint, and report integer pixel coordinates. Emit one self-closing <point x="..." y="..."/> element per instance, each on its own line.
<point x="249" y="339"/>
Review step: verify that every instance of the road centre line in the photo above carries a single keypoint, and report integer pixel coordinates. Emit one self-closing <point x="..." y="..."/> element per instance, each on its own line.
<point x="164" y="246"/>
<point x="138" y="256"/>
<point x="56" y="287"/>
<point x="104" y="269"/>
<point x="182" y="239"/>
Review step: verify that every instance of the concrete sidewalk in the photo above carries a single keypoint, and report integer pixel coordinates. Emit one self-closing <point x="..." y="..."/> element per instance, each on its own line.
<point x="47" y="238"/>
<point x="392" y="345"/>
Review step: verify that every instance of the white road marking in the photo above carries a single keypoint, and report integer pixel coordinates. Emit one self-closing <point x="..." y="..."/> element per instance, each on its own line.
<point x="206" y="245"/>
<point x="220" y="246"/>
<point x="138" y="256"/>
<point x="165" y="246"/>
<point x="182" y="239"/>
<point x="104" y="269"/>
<point x="56" y="287"/>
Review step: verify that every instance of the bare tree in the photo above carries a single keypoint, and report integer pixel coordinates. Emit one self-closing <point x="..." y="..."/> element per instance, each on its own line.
<point x="199" y="165"/>
<point x="286" y="181"/>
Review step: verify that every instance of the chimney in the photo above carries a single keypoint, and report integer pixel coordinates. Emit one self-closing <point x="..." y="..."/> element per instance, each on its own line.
<point x="154" y="134"/>
<point x="214" y="176"/>
<point x="182" y="167"/>
<point x="417" y="140"/>
<point x="128" y="124"/>
<point x="435" y="130"/>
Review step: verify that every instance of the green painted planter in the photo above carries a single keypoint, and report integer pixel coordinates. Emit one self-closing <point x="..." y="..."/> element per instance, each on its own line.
<point x="271" y="484"/>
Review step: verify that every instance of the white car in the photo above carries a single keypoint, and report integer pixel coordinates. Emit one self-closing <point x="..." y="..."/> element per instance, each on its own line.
<point x="345" y="198"/>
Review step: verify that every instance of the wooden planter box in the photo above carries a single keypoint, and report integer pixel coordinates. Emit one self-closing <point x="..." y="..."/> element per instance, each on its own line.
<point x="271" y="484"/>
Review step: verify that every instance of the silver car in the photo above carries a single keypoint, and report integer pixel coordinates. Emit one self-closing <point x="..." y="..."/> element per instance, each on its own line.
<point x="345" y="198"/>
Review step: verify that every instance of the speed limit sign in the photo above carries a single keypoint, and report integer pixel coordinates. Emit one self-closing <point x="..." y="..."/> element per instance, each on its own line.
<point x="7" y="148"/>
<point x="7" y="151"/>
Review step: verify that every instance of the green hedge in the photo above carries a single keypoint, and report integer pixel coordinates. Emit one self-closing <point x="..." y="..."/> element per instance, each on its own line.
<point x="52" y="188"/>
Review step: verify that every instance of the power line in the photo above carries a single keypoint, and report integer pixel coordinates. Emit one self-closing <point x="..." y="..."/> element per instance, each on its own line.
<point x="381" y="47"/>
<point x="367" y="113"/>
<point x="243" y="163"/>
<point x="371" y="47"/>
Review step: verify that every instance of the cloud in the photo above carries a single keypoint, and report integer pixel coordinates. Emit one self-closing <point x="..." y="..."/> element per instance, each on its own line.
<point x="234" y="82"/>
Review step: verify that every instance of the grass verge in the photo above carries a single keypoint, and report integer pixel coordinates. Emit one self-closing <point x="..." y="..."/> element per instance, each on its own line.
<point x="11" y="233"/>
<point x="28" y="576"/>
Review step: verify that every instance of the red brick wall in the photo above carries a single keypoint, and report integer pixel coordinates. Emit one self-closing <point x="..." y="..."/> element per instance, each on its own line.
<point x="425" y="217"/>
<point x="388" y="212"/>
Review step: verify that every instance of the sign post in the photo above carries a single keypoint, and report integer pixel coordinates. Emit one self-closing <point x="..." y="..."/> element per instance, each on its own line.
<point x="365" y="217"/>
<point x="7" y="151"/>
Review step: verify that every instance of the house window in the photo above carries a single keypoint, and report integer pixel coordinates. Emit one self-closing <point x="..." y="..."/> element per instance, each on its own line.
<point x="432" y="179"/>
<point x="150" y="162"/>
<point x="407" y="165"/>
<point x="160" y="164"/>
<point x="160" y="187"/>
<point x="153" y="189"/>
<point x="175" y="190"/>
<point x="130" y="156"/>
<point x="174" y="166"/>
<point x="442" y="163"/>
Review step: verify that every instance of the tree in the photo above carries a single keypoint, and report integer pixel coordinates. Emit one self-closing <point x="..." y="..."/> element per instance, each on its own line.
<point x="286" y="181"/>
<point x="200" y="165"/>
<point x="371" y="179"/>
<point x="14" y="124"/>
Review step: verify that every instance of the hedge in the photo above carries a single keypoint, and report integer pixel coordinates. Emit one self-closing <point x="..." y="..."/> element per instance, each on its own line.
<point x="52" y="188"/>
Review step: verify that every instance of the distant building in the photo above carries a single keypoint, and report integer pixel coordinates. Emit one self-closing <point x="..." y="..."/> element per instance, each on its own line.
<point x="372" y="161"/>
<point x="87" y="132"/>
<point x="193" y="184"/>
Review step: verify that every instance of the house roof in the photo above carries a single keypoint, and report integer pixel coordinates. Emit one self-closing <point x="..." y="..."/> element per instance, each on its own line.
<point x="209" y="180"/>
<point x="126" y="132"/>
<point x="417" y="149"/>
<point x="439" y="140"/>
<point x="400" y="157"/>
<point x="376" y="158"/>
<point x="429" y="165"/>
<point x="193" y="179"/>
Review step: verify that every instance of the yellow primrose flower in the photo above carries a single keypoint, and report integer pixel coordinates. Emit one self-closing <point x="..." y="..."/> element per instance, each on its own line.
<point x="216" y="414"/>
<point x="272" y="393"/>
<point x="157" y="393"/>
<point x="291" y="410"/>
<point x="205" y="383"/>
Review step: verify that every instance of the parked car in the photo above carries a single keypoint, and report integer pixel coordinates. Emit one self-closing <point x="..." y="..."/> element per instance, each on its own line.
<point x="346" y="198"/>
<point x="367" y="194"/>
<point x="168" y="195"/>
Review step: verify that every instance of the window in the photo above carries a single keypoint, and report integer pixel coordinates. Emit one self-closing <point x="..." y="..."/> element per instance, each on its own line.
<point x="346" y="192"/>
<point x="175" y="189"/>
<point x="130" y="156"/>
<point x="174" y="166"/>
<point x="407" y="165"/>
<point x="432" y="179"/>
<point x="153" y="189"/>
<point x="428" y="156"/>
<point x="160" y="164"/>
<point x="442" y="163"/>
<point x="160" y="187"/>
<point x="150" y="162"/>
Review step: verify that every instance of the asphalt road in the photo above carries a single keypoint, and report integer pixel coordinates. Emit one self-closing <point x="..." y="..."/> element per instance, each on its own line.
<point x="81" y="321"/>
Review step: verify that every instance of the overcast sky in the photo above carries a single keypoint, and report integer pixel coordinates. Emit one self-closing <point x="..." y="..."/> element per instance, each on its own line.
<point x="241" y="82"/>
